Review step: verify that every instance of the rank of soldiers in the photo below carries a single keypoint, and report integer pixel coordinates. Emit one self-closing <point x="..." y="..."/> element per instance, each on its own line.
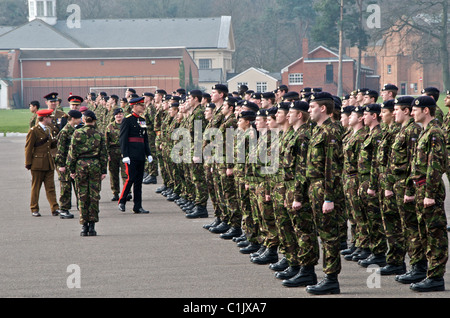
<point x="283" y="171"/>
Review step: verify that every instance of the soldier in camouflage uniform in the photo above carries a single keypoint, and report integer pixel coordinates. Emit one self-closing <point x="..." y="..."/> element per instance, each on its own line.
<point x="257" y="182"/>
<point x="196" y="125"/>
<point x="87" y="164"/>
<point x="426" y="187"/>
<point x="151" y="168"/>
<point x="351" y="149"/>
<point x="244" y="139"/>
<point x="34" y="107"/>
<point x="66" y="183"/>
<point x="369" y="215"/>
<point x="294" y="164"/>
<point x="434" y="93"/>
<point x="446" y="127"/>
<point x="404" y="233"/>
<point x="218" y="94"/>
<point x="116" y="167"/>
<point x="321" y="171"/>
<point x="225" y="187"/>
<point x="159" y="117"/>
<point x="389" y="214"/>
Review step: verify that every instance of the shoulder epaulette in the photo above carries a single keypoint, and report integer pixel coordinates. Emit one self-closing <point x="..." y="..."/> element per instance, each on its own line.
<point x="128" y="115"/>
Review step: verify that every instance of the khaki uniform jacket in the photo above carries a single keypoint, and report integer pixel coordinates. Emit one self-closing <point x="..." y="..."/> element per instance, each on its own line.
<point x="37" y="149"/>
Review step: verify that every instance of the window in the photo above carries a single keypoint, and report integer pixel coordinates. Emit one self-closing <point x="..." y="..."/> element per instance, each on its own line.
<point x="261" y="87"/>
<point x="296" y="78"/>
<point x="389" y="69"/>
<point x="40" y="9"/>
<point x="329" y="76"/>
<point x="32" y="9"/>
<point x="204" y="64"/>
<point x="50" y="9"/>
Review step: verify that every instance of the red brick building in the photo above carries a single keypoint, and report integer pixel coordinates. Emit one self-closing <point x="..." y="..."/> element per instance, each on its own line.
<point x="319" y="68"/>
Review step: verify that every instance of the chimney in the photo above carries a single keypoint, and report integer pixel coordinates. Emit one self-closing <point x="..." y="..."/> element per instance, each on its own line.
<point x="305" y="49"/>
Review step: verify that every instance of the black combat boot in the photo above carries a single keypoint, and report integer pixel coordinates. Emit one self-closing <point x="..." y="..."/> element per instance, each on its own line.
<point x="417" y="273"/>
<point x="270" y="255"/>
<point x="328" y="285"/>
<point x="84" y="229"/>
<point x="429" y="284"/>
<point x="288" y="273"/>
<point x="212" y="224"/>
<point x="91" y="231"/>
<point x="306" y="276"/>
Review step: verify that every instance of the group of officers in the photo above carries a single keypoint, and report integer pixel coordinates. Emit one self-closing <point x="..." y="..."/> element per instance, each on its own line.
<point x="321" y="167"/>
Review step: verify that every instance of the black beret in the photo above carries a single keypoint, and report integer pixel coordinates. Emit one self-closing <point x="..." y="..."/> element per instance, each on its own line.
<point x="117" y="111"/>
<point x="372" y="93"/>
<point x="74" y="113"/>
<point x="373" y="108"/>
<point x="389" y="87"/>
<point x="404" y="100"/>
<point x="300" y="105"/>
<point x="319" y="96"/>
<point x="167" y="97"/>
<point x="196" y="93"/>
<point x="347" y="109"/>
<point x="131" y="90"/>
<point x="362" y="90"/>
<point x="431" y="90"/>
<point x="161" y="91"/>
<point x="147" y="94"/>
<point x="306" y="90"/>
<point x="359" y="109"/>
<point x="268" y="95"/>
<point x="115" y="97"/>
<point x="262" y="112"/>
<point x="291" y="96"/>
<point x="257" y="95"/>
<point x="210" y="105"/>
<point x="448" y="92"/>
<point x="272" y="111"/>
<point x="249" y="115"/>
<point x="175" y="104"/>
<point x="231" y="100"/>
<point x="90" y="113"/>
<point x="284" y="105"/>
<point x="424" y="101"/>
<point x="389" y="104"/>
<point x="104" y="93"/>
<point x="283" y="88"/>
<point x="316" y="89"/>
<point x="337" y="102"/>
<point x="181" y="91"/>
<point x="221" y="88"/>
<point x="175" y="98"/>
<point x="251" y="105"/>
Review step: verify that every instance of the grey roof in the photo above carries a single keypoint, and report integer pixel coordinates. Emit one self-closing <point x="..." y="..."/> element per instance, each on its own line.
<point x="35" y="34"/>
<point x="103" y="54"/>
<point x="190" y="33"/>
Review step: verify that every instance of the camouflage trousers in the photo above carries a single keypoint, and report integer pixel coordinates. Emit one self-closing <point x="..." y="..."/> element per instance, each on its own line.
<point x="88" y="186"/>
<point x="188" y="185"/>
<point x="210" y="186"/>
<point x="413" y="243"/>
<point x="250" y="222"/>
<point x="66" y="184"/>
<point x="228" y="196"/>
<point x="370" y="207"/>
<point x="218" y="190"/>
<point x="262" y="210"/>
<point x="152" y="167"/>
<point x="327" y="226"/>
<point x="160" y="159"/>
<point x="116" y="170"/>
<point x="356" y="219"/>
<point x="304" y="228"/>
<point x="282" y="221"/>
<point x="435" y="230"/>
<point x="340" y="206"/>
<point x="198" y="182"/>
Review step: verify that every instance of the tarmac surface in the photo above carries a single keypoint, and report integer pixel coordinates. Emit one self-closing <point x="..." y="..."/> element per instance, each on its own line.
<point x="158" y="255"/>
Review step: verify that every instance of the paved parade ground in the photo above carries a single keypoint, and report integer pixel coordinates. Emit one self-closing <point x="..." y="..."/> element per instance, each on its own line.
<point x="158" y="255"/>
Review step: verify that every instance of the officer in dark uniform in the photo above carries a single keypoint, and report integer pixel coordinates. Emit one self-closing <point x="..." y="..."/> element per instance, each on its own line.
<point x="135" y="151"/>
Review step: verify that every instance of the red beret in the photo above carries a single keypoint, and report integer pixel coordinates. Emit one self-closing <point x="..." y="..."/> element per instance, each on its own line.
<point x="44" y="112"/>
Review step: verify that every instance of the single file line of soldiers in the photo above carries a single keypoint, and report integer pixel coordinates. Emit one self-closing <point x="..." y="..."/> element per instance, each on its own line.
<point x="380" y="172"/>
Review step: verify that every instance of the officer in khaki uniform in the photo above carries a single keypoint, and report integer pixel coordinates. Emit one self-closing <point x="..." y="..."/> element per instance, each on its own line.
<point x="39" y="142"/>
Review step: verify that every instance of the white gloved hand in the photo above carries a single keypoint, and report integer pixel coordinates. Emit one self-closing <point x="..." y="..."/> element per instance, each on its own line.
<point x="126" y="160"/>
<point x="150" y="159"/>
